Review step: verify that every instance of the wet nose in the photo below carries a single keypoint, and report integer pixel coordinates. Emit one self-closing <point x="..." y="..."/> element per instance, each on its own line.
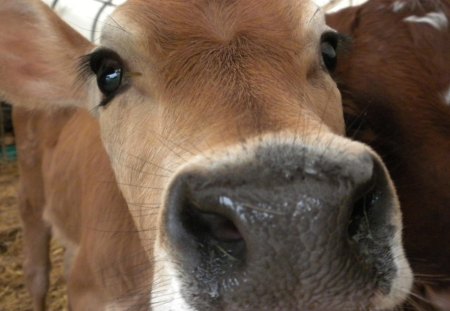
<point x="284" y="207"/>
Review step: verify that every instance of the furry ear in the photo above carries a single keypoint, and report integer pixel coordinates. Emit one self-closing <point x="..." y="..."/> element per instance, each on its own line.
<point x="39" y="54"/>
<point x="344" y="21"/>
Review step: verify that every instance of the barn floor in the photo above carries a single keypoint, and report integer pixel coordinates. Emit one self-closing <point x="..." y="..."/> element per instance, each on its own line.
<point x="13" y="293"/>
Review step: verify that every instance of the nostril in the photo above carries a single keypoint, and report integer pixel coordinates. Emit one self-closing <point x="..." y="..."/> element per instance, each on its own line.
<point x="212" y="229"/>
<point x="209" y="225"/>
<point x="219" y="227"/>
<point x="359" y="222"/>
<point x="363" y="209"/>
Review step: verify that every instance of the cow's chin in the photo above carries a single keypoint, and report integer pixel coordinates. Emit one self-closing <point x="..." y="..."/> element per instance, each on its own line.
<point x="167" y="286"/>
<point x="401" y="284"/>
<point x="169" y="293"/>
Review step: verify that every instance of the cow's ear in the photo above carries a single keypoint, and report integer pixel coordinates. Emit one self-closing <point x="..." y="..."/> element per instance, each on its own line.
<point x="344" y="21"/>
<point x="39" y="55"/>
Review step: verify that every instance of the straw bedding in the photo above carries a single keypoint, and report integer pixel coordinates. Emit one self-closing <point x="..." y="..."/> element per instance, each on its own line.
<point x="13" y="293"/>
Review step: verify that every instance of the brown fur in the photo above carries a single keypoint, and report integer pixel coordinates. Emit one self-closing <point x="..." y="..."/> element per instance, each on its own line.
<point x="218" y="47"/>
<point x="67" y="179"/>
<point x="393" y="79"/>
<point x="36" y="72"/>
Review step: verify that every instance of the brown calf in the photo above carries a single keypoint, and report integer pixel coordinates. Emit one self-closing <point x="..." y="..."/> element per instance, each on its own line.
<point x="224" y="130"/>
<point x="67" y="184"/>
<point x="395" y="82"/>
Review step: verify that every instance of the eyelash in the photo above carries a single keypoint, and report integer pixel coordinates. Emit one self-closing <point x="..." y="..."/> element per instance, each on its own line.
<point x="84" y="68"/>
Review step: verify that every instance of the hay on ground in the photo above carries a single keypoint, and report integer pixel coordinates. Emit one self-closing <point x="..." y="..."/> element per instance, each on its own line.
<point x="13" y="293"/>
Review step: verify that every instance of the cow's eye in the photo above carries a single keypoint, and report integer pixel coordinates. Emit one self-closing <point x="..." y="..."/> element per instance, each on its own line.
<point x="108" y="68"/>
<point x="328" y="46"/>
<point x="109" y="79"/>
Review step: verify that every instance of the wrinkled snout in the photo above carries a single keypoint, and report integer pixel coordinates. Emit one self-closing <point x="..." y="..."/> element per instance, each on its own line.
<point x="296" y="226"/>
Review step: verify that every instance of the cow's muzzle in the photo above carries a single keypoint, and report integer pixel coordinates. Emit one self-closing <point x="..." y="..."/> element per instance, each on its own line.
<point x="290" y="223"/>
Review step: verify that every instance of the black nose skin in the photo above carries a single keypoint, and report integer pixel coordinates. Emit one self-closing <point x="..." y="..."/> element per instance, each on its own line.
<point x="289" y="221"/>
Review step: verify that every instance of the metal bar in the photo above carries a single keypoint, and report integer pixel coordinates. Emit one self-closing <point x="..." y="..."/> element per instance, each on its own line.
<point x="107" y="2"/>
<point x="55" y="2"/>
<point x="99" y="13"/>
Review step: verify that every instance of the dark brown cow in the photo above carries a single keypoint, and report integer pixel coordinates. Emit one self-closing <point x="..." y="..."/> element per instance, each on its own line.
<point x="395" y="82"/>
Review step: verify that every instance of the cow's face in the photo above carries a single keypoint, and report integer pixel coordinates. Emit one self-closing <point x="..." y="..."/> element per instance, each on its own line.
<point x="223" y="128"/>
<point x="209" y="76"/>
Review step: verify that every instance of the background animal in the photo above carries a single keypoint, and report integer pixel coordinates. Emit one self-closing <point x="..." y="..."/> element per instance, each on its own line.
<point x="67" y="186"/>
<point x="395" y="84"/>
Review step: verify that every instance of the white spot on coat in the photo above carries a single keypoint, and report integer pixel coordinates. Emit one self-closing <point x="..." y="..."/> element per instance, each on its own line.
<point x="166" y="290"/>
<point x="397" y="6"/>
<point x="437" y="20"/>
<point x="447" y="96"/>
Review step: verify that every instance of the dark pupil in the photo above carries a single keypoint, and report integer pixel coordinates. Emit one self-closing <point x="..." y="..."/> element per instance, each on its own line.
<point x="329" y="55"/>
<point x="109" y="79"/>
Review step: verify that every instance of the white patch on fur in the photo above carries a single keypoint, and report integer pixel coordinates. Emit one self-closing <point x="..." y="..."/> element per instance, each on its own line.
<point x="397" y="6"/>
<point x="447" y="96"/>
<point x="437" y="20"/>
<point x="402" y="282"/>
<point x="166" y="289"/>
<point x="71" y="246"/>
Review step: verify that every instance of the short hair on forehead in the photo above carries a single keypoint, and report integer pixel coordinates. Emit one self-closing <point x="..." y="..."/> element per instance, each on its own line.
<point x="245" y="52"/>
<point x="220" y="20"/>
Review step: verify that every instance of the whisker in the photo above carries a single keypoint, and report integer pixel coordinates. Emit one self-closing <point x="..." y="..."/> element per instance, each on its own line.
<point x="147" y="162"/>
